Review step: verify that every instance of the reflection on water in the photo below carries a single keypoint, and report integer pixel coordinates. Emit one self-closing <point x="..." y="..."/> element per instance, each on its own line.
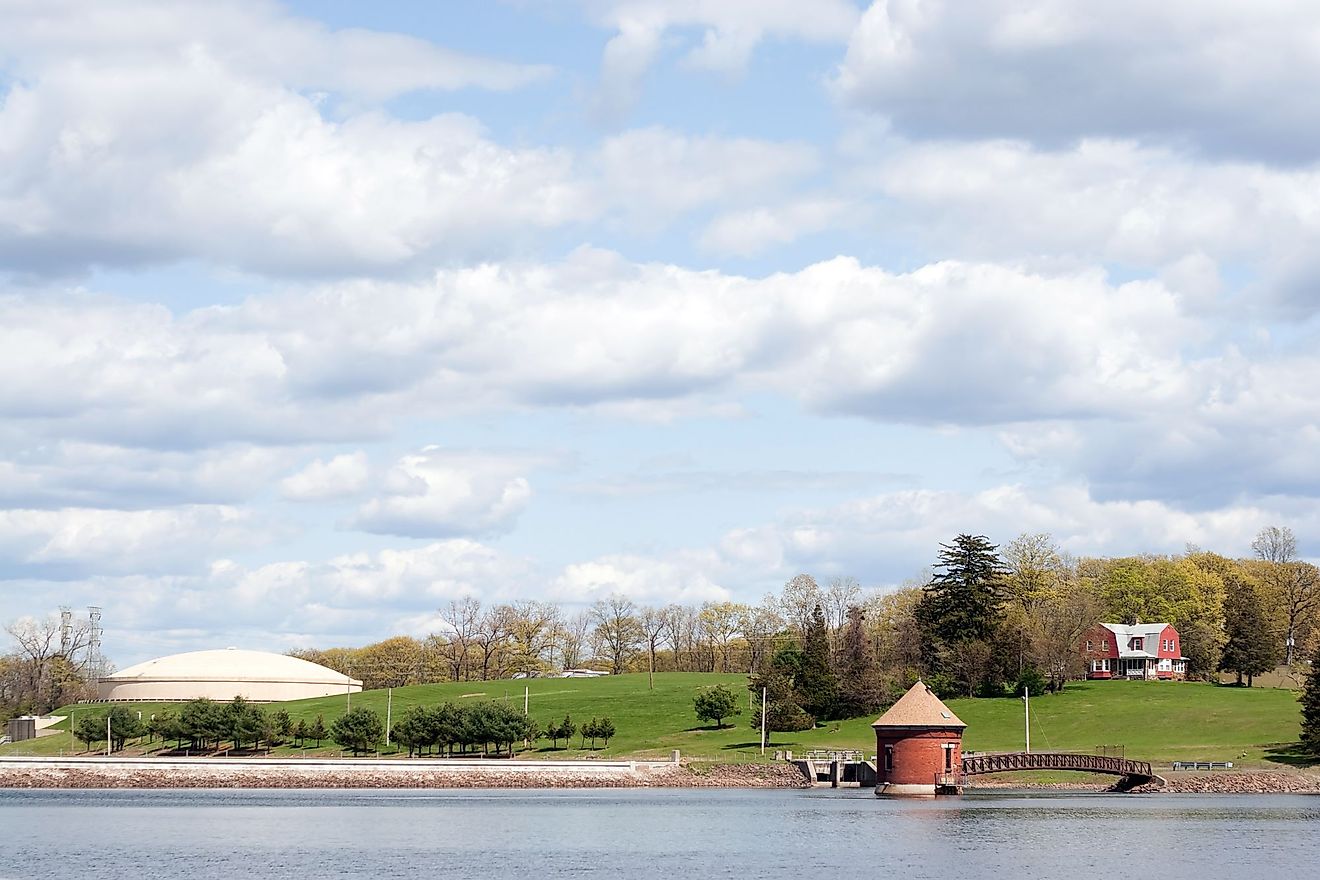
<point x="669" y="834"/>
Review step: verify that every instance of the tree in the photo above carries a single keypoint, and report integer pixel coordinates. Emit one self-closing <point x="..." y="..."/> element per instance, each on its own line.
<point x="300" y="732"/>
<point x="816" y="684"/>
<point x="963" y="598"/>
<point x="715" y="704"/>
<point x="782" y="712"/>
<point x="1252" y="645"/>
<point x="359" y="729"/>
<point x="1310" y="700"/>
<point x="861" y="690"/>
<point x="90" y="728"/>
<point x="653" y="624"/>
<point x="243" y="722"/>
<point x="124" y="725"/>
<point x="563" y="730"/>
<point x="617" y="631"/>
<point x="317" y="731"/>
<point x="283" y="724"/>
<point x="1295" y="584"/>
<point x="605" y="730"/>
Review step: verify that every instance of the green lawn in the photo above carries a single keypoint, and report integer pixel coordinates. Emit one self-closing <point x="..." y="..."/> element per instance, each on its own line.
<point x="1156" y="721"/>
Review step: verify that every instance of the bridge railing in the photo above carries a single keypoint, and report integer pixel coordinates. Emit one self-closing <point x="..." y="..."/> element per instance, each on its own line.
<point x="1001" y="763"/>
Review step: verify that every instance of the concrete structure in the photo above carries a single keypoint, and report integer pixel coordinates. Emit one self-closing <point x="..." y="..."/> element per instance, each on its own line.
<point x="1143" y="651"/>
<point x="258" y="676"/>
<point x="918" y="746"/>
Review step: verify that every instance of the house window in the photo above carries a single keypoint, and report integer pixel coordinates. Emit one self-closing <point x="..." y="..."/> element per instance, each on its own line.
<point x="1138" y="644"/>
<point x="1104" y="646"/>
<point x="1088" y="646"/>
<point x="948" y="757"/>
<point x="889" y="758"/>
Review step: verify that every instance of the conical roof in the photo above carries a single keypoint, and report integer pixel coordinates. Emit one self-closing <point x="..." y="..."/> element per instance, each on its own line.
<point x="919" y="707"/>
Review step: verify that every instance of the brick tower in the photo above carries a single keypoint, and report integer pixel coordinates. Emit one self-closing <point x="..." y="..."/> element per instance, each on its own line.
<point x="918" y="747"/>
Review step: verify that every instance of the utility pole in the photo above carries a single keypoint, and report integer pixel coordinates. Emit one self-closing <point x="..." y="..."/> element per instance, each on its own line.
<point x="1026" y="705"/>
<point x="389" y="712"/>
<point x="527" y="697"/>
<point x="763" y="690"/>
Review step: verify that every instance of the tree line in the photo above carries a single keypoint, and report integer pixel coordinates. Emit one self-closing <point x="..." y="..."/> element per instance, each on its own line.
<point x="984" y="618"/>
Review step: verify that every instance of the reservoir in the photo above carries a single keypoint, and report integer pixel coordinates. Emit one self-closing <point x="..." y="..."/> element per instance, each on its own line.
<point x="667" y="834"/>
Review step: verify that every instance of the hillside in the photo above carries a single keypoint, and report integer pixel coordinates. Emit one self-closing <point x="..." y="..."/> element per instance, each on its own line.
<point x="1156" y="721"/>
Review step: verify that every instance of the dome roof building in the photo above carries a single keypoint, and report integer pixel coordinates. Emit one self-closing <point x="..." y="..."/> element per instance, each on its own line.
<point x="258" y="676"/>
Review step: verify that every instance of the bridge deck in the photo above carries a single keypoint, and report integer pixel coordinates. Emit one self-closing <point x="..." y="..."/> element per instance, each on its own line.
<point x="1132" y="773"/>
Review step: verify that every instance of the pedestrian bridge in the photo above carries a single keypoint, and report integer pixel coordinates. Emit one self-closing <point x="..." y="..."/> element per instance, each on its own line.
<point x="1131" y="774"/>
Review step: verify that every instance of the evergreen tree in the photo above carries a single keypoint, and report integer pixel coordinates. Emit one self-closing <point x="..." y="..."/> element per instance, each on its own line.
<point x="1311" y="708"/>
<point x="776" y="682"/>
<point x="1252" y="645"/>
<point x="959" y="612"/>
<point x="605" y="730"/>
<point x="816" y="684"/>
<point x="317" y="730"/>
<point x="861" y="689"/>
<point x="300" y="732"/>
<point x="359" y="729"/>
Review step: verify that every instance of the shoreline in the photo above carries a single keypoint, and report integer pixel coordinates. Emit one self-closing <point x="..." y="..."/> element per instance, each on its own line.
<point x="229" y="773"/>
<point x="223" y="774"/>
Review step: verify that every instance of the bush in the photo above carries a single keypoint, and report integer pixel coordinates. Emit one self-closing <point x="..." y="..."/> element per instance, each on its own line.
<point x="1032" y="681"/>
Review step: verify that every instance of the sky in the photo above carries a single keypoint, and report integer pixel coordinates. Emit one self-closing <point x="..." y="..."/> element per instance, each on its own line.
<point x="315" y="316"/>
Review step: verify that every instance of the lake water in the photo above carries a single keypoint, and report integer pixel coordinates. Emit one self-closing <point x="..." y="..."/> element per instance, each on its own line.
<point x="669" y="834"/>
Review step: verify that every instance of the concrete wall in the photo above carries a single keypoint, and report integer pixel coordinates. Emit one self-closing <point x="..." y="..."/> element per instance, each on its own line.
<point x="139" y="690"/>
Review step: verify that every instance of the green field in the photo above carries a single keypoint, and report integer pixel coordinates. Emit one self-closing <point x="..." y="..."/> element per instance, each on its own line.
<point x="1156" y="721"/>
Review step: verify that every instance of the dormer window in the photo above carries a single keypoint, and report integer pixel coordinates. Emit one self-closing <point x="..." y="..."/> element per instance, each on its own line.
<point x="1138" y="645"/>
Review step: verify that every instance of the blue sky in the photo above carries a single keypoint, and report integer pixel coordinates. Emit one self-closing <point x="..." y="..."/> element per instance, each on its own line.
<point x="319" y="315"/>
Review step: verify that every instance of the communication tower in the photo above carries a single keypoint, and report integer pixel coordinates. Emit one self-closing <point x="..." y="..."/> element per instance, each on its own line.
<point x="94" y="660"/>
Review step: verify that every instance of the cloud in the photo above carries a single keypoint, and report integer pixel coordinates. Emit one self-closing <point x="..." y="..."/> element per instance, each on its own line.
<point x="654" y="175"/>
<point x="730" y="30"/>
<point x="69" y="473"/>
<point x="884" y="538"/>
<point x="255" y="37"/>
<point x="1099" y="200"/>
<point x="78" y="542"/>
<point x="1221" y="78"/>
<point x="645" y="580"/>
<point x="753" y="231"/>
<point x="341" y="477"/>
<point x="442" y="493"/>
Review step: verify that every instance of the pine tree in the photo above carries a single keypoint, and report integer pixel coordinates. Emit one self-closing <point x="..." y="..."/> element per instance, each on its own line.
<point x="963" y="599"/>
<point x="1311" y="708"/>
<point x="816" y="685"/>
<point x="1253" y="645"/>
<point x="861" y="689"/>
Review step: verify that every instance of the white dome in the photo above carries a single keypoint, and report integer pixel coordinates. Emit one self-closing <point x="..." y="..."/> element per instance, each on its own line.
<point x="224" y="674"/>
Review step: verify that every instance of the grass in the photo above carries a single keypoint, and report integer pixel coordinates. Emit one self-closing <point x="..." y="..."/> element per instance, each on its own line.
<point x="1155" y="721"/>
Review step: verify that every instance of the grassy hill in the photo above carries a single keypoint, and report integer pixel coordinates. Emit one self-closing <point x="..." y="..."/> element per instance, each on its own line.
<point x="1156" y="721"/>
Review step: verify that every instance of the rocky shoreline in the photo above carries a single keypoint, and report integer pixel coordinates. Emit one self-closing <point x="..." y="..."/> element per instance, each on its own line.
<point x="674" y="776"/>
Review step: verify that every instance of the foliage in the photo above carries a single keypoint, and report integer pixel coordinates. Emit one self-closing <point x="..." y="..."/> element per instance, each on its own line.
<point x="1310" y="699"/>
<point x="317" y="731"/>
<point x="1252" y="643"/>
<point x="862" y="688"/>
<point x="360" y="730"/>
<point x="715" y="704"/>
<point x="816" y="684"/>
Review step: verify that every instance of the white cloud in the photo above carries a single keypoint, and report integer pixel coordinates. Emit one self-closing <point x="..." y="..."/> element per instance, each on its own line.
<point x="752" y="231"/>
<point x="75" y="542"/>
<point x="341" y="477"/>
<point x="645" y="580"/>
<point x="256" y="37"/>
<point x="1100" y="200"/>
<point x="68" y="473"/>
<point x="1222" y="77"/>
<point x="653" y="175"/>
<point x="441" y="493"/>
<point x="730" y="31"/>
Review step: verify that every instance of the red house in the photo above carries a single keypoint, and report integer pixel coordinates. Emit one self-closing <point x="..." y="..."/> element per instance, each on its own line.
<point x="1142" y="651"/>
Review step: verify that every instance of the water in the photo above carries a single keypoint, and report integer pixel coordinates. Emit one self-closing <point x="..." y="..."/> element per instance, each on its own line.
<point x="669" y="834"/>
